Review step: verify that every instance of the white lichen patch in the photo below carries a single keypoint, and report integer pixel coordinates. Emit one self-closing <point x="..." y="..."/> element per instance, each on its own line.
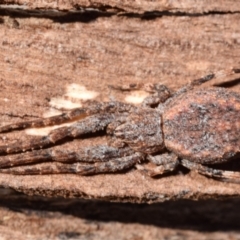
<point x="136" y="97"/>
<point x="62" y="103"/>
<point x="73" y="96"/>
<point x="70" y="100"/>
<point x="45" y="130"/>
<point x="80" y="92"/>
<point x="51" y="112"/>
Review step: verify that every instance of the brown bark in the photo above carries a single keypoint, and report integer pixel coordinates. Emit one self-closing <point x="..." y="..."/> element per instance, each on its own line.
<point x="42" y="52"/>
<point x="187" y="6"/>
<point x="42" y="218"/>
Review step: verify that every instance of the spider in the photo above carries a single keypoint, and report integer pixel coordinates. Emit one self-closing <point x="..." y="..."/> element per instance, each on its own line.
<point x="192" y="127"/>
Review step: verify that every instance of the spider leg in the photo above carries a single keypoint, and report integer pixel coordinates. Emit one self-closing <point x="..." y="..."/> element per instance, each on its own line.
<point x="117" y="122"/>
<point x="91" y="154"/>
<point x="159" y="93"/>
<point x="196" y="83"/>
<point x="166" y="162"/>
<point x="74" y="114"/>
<point x="200" y="81"/>
<point x="88" y="125"/>
<point x="113" y="165"/>
<point x="134" y="86"/>
<point x="228" y="176"/>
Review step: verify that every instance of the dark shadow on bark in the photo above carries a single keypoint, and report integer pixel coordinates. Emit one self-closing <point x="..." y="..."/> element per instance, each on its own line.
<point x="86" y="15"/>
<point x="229" y="84"/>
<point x="203" y="215"/>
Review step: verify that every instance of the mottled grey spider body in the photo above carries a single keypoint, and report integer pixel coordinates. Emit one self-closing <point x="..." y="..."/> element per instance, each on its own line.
<point x="192" y="127"/>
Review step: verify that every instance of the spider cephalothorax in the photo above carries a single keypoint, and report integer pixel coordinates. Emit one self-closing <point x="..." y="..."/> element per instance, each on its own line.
<point x="142" y="131"/>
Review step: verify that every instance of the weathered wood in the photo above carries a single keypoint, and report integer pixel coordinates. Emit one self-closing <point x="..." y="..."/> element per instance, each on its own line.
<point x="42" y="54"/>
<point x="187" y="6"/>
<point x="24" y="217"/>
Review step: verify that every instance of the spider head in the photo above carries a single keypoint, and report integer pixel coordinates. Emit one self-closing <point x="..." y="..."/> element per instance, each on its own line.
<point x="142" y="131"/>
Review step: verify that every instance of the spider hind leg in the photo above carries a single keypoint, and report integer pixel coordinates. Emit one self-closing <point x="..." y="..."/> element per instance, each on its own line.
<point x="223" y="175"/>
<point x="159" y="92"/>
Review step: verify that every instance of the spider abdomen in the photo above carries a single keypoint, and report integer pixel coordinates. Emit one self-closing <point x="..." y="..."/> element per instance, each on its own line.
<point x="204" y="125"/>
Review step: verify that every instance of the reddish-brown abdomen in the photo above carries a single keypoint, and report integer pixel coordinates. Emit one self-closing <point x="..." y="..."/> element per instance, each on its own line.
<point x="204" y="125"/>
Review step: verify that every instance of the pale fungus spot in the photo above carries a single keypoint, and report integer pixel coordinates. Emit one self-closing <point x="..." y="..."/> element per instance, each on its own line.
<point x="136" y="97"/>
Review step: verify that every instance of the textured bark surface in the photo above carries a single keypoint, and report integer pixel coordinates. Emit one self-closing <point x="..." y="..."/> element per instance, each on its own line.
<point x="23" y="217"/>
<point x="44" y="51"/>
<point x="42" y="55"/>
<point x="142" y="6"/>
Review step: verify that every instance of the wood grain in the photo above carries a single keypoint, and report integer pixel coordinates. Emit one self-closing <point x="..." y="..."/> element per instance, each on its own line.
<point x="42" y="53"/>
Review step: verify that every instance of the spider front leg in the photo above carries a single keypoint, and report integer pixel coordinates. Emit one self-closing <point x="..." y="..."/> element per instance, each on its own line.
<point x="100" y="153"/>
<point x="88" y="125"/>
<point x="111" y="166"/>
<point x="74" y="114"/>
<point x="228" y="176"/>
